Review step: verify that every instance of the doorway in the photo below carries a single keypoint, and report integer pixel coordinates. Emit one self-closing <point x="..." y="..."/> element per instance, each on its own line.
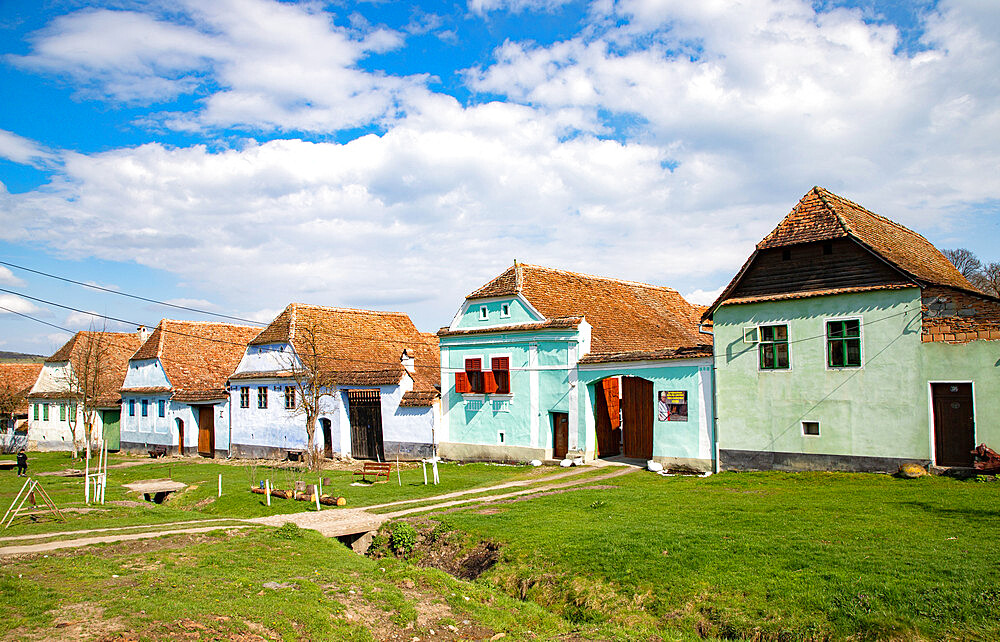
<point x="637" y="417"/>
<point x="560" y="435"/>
<point x="325" y="427"/>
<point x="607" y="417"/>
<point x="365" y="412"/>
<point x="954" y="424"/>
<point x="206" y="431"/>
<point x="180" y="436"/>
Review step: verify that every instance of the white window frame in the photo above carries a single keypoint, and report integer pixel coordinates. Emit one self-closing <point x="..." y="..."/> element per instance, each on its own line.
<point x="501" y="438"/>
<point x="756" y="352"/>
<point x="505" y="310"/>
<point x="826" y="343"/>
<point x="819" y="430"/>
<point x="484" y="313"/>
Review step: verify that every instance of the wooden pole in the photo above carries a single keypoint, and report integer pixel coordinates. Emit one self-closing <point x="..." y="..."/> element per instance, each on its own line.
<point x="267" y="484"/>
<point x="220" y="484"/>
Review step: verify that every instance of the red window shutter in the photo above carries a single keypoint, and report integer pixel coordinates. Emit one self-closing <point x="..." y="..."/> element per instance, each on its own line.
<point x="612" y="399"/>
<point x="473" y="365"/>
<point x="500" y="363"/>
<point x="489" y="382"/>
<point x="462" y="382"/>
<point x="501" y="374"/>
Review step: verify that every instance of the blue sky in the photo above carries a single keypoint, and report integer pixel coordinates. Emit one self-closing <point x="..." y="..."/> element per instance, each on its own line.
<point x="241" y="154"/>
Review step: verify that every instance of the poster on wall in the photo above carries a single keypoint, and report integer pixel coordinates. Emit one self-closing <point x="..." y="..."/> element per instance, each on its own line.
<point x="672" y="405"/>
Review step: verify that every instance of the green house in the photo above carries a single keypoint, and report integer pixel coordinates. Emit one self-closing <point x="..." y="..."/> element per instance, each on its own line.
<point x="849" y="342"/>
<point x="547" y="364"/>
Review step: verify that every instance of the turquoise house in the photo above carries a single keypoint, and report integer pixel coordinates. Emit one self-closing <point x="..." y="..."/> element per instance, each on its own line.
<point x="849" y="342"/>
<point x="546" y="364"/>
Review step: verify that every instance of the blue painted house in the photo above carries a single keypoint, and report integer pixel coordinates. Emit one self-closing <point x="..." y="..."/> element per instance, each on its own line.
<point x="541" y="363"/>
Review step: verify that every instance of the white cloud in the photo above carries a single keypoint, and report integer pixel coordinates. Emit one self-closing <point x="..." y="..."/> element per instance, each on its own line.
<point x="7" y="278"/>
<point x="12" y="304"/>
<point x="514" y="6"/>
<point x="23" y="151"/>
<point x="704" y="297"/>
<point x="263" y="64"/>
<point x="94" y="321"/>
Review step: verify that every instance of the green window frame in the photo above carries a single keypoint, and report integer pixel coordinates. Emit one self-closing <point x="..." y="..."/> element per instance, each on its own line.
<point x="773" y="347"/>
<point x="62" y="412"/>
<point x="843" y="343"/>
<point x="36" y="411"/>
<point x="45" y="412"/>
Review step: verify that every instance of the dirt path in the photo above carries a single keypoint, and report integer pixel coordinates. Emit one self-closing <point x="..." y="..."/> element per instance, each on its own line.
<point x="120" y="537"/>
<point x="16" y="538"/>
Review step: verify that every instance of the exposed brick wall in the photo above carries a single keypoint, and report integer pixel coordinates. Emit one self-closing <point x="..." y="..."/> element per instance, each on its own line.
<point x="953" y="316"/>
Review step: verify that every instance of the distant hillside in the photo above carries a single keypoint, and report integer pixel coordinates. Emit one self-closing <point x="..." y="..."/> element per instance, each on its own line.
<point x="21" y="357"/>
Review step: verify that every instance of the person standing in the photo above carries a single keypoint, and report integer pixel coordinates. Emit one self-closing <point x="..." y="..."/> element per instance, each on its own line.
<point x="22" y="463"/>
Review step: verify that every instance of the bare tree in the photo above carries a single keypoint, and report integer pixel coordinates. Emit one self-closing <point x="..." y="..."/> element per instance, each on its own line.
<point x="985" y="277"/>
<point x="86" y="378"/>
<point x="311" y="384"/>
<point x="10" y="399"/>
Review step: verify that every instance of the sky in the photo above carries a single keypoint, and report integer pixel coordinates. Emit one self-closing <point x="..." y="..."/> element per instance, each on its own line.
<point x="234" y="156"/>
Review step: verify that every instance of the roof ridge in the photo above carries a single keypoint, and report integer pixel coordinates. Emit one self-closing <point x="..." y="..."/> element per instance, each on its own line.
<point x="867" y="211"/>
<point x="602" y="278"/>
<point x="353" y="310"/>
<point x="822" y="193"/>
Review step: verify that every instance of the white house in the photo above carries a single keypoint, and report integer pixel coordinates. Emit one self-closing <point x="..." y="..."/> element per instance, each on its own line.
<point x="378" y="373"/>
<point x="91" y="363"/>
<point x="174" y="394"/>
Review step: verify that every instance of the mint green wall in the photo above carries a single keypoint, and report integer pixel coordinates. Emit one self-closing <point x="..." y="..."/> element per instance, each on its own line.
<point x="978" y="362"/>
<point x="481" y="426"/>
<point x="519" y="313"/>
<point x="691" y="439"/>
<point x="869" y="411"/>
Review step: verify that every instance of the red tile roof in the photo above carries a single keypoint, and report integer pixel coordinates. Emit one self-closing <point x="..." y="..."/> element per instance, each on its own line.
<point x="570" y="323"/>
<point x="110" y="351"/>
<point x="356" y="347"/>
<point x="692" y="352"/>
<point x="625" y="316"/>
<point x="16" y="380"/>
<point x="821" y="215"/>
<point x="198" y="357"/>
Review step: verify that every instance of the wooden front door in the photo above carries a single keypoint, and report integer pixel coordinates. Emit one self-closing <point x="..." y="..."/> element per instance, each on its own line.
<point x="206" y="431"/>
<point x="607" y="418"/>
<point x="954" y="426"/>
<point x="637" y="417"/>
<point x="112" y="429"/>
<point x="365" y="410"/>
<point x="180" y="436"/>
<point x="560" y="435"/>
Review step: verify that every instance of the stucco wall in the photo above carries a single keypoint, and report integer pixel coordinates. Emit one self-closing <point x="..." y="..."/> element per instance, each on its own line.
<point x="55" y="433"/>
<point x="139" y="433"/>
<point x="873" y="411"/>
<point x="519" y="313"/>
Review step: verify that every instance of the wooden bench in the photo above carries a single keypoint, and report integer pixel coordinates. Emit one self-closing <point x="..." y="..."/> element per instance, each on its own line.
<point x="158" y="451"/>
<point x="375" y="470"/>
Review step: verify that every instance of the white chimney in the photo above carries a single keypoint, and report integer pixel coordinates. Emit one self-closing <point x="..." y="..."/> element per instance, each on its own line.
<point x="143" y="333"/>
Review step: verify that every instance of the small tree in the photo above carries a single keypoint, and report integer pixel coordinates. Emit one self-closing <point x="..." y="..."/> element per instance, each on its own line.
<point x="985" y="276"/>
<point x="10" y="399"/>
<point x="86" y="377"/>
<point x="311" y="384"/>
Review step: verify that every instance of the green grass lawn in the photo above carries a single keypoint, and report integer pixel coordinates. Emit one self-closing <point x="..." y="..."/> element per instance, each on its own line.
<point x="763" y="556"/>
<point x="274" y="583"/>
<point x="200" y="499"/>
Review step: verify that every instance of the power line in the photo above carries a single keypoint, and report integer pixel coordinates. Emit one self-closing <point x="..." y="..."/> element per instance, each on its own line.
<point x="128" y="295"/>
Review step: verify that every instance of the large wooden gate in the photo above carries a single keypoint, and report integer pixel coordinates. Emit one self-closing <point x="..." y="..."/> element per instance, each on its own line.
<point x="206" y="431"/>
<point x="365" y="407"/>
<point x="637" y="417"/>
<point x="112" y="428"/>
<point x="607" y="417"/>
<point x="954" y="425"/>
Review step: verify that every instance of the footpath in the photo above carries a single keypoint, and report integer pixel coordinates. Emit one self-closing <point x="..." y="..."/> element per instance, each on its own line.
<point x="333" y="522"/>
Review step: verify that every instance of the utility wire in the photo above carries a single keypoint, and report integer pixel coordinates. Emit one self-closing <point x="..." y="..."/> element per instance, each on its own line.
<point x="128" y="295"/>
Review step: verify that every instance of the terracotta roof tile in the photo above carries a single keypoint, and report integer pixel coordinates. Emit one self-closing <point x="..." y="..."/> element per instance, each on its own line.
<point x="356" y="347"/>
<point x="418" y="398"/>
<point x="805" y="294"/>
<point x="570" y="323"/>
<point x="692" y="352"/>
<point x="114" y="349"/>
<point x="198" y="357"/>
<point x="821" y="215"/>
<point x="624" y="315"/>
<point x="17" y="379"/>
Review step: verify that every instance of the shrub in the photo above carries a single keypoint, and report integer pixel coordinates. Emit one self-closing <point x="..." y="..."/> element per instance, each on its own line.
<point x="288" y="531"/>
<point x="402" y="538"/>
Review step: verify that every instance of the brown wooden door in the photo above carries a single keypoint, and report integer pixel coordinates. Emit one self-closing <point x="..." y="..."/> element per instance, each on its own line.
<point x="637" y="417"/>
<point x="560" y="435"/>
<point x="954" y="426"/>
<point x="180" y="436"/>
<point x="365" y="410"/>
<point x="206" y="431"/>
<point x="607" y="420"/>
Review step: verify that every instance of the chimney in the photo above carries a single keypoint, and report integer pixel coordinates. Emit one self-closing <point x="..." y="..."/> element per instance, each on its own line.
<point x="143" y="333"/>
<point x="408" y="361"/>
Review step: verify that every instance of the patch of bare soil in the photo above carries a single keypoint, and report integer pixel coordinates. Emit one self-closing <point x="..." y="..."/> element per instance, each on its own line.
<point x="449" y="552"/>
<point x="74" y="622"/>
<point x="433" y="622"/>
<point x="128" y="503"/>
<point x="219" y="627"/>
<point x="129" y="547"/>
